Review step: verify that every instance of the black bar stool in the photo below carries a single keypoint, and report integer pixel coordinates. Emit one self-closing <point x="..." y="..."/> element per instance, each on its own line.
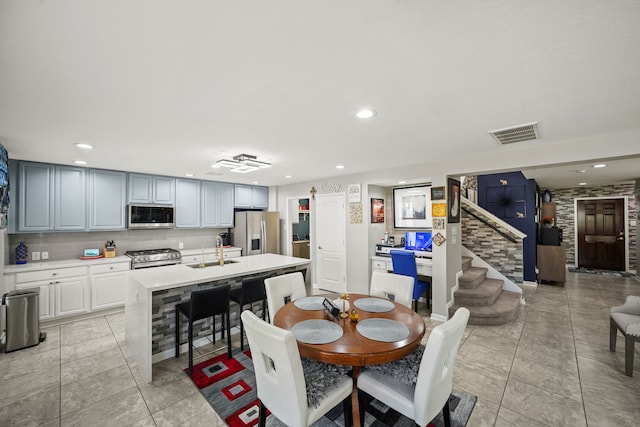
<point x="204" y="304"/>
<point x="252" y="290"/>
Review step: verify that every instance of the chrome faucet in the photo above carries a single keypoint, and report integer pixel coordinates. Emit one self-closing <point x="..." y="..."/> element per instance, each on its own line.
<point x="220" y="250"/>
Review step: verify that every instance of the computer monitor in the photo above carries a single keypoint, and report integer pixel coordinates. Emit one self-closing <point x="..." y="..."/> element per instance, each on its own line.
<point x="420" y="241"/>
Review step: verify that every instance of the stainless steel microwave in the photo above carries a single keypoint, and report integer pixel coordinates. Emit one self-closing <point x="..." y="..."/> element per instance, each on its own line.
<point x="150" y="216"/>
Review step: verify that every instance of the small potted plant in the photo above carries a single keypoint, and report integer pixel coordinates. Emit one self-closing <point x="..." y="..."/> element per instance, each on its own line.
<point x="547" y="221"/>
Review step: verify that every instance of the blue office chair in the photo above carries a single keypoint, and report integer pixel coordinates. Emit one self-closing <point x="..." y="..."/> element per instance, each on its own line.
<point x="404" y="262"/>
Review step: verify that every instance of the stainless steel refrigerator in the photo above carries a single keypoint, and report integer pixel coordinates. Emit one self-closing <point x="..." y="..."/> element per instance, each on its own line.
<point x="257" y="232"/>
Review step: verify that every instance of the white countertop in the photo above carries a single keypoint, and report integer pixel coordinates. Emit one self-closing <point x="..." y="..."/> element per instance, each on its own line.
<point x="76" y="262"/>
<point x="46" y="265"/>
<point x="157" y="279"/>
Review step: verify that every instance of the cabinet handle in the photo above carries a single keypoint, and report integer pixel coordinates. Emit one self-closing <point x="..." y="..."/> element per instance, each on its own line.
<point x="54" y="274"/>
<point x="110" y="268"/>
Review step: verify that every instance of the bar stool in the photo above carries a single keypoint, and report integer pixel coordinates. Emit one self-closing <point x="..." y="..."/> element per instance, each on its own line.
<point x="204" y="304"/>
<point x="252" y="290"/>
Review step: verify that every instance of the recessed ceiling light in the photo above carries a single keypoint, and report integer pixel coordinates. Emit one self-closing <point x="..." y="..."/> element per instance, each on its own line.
<point x="365" y="114"/>
<point x="339" y="166"/>
<point x="79" y="162"/>
<point x="402" y="182"/>
<point x="582" y="183"/>
<point x="581" y="171"/>
<point x="84" y="145"/>
<point x="600" y="165"/>
<point x="288" y="176"/>
<point x="256" y="182"/>
<point x="216" y="166"/>
<point x="189" y="175"/>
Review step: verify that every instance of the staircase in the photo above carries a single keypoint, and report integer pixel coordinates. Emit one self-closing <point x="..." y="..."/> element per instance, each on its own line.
<point x="485" y="299"/>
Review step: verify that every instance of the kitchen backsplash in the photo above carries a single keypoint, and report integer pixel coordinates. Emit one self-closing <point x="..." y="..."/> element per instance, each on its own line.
<point x="63" y="246"/>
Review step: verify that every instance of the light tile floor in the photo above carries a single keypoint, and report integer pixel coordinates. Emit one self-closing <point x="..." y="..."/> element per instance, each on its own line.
<point x="550" y="367"/>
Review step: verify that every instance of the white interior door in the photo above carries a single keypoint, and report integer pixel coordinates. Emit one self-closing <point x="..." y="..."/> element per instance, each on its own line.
<point x="330" y="240"/>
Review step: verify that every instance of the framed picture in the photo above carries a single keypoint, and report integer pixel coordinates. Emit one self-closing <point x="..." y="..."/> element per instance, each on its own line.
<point x="453" y="200"/>
<point x="354" y="193"/>
<point x="412" y="207"/>
<point x="437" y="193"/>
<point x="377" y="211"/>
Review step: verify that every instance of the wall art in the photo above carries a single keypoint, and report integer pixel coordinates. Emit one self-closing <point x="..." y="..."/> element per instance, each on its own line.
<point x="412" y="207"/>
<point x="377" y="211"/>
<point x="453" y="201"/>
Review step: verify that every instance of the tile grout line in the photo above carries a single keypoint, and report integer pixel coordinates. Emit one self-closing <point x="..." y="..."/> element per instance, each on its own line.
<point x="130" y="372"/>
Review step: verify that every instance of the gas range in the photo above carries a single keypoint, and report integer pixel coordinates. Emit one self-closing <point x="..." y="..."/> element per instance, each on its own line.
<point x="154" y="258"/>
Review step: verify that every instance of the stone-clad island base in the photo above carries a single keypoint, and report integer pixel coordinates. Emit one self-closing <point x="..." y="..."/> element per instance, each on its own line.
<point x="151" y="295"/>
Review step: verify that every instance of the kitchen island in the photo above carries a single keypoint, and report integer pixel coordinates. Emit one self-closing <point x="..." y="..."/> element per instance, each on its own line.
<point x="152" y="293"/>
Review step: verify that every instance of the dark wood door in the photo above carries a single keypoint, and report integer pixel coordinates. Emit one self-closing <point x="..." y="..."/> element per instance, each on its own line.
<point x="601" y="234"/>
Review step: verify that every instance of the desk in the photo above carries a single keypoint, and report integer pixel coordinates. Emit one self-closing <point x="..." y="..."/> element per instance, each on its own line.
<point x="352" y="349"/>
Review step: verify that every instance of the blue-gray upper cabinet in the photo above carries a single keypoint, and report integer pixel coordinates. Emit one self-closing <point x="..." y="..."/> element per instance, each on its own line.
<point x="217" y="204"/>
<point x="151" y="189"/>
<point x="12" y="226"/>
<point x="188" y="203"/>
<point x="70" y="201"/>
<point x="251" y="196"/>
<point x="51" y="197"/>
<point x="107" y="199"/>
<point x="35" y="201"/>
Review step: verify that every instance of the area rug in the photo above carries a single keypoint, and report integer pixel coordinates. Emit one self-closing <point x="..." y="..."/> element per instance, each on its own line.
<point x="229" y="387"/>
<point x="601" y="272"/>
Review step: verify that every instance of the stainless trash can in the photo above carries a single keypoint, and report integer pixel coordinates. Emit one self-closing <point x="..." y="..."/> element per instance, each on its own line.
<point x="22" y="319"/>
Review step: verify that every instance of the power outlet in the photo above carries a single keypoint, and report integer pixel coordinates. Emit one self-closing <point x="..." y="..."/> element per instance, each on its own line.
<point x="180" y="245"/>
<point x="35" y="256"/>
<point x="45" y="255"/>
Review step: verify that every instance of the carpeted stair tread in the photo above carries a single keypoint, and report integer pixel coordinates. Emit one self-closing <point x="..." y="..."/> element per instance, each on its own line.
<point x="466" y="262"/>
<point x="472" y="277"/>
<point x="499" y="313"/>
<point x="484" y="294"/>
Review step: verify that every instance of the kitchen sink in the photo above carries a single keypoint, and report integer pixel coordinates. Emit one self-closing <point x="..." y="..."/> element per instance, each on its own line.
<point x="211" y="264"/>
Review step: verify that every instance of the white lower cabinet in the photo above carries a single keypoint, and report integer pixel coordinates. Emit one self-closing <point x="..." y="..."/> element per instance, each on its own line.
<point x="108" y="285"/>
<point x="71" y="296"/>
<point x="45" y="297"/>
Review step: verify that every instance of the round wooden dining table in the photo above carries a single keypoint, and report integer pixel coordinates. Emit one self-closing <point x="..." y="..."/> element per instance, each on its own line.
<point x="353" y="349"/>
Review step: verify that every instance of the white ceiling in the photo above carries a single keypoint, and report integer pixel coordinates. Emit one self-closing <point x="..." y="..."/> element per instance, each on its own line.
<point x="169" y="87"/>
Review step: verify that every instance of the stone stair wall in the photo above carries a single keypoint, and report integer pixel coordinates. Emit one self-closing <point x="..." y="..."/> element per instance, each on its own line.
<point x="487" y="302"/>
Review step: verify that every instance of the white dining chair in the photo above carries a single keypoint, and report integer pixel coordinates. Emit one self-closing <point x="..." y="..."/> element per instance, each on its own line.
<point x="392" y="286"/>
<point x="423" y="400"/>
<point x="281" y="381"/>
<point x="282" y="289"/>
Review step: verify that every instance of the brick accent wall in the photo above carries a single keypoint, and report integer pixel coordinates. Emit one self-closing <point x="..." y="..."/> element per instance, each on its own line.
<point x="565" y="215"/>
<point x="495" y="249"/>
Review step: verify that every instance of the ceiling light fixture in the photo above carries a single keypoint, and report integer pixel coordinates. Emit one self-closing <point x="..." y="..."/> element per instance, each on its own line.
<point x="288" y="176"/>
<point x="189" y="175"/>
<point x="582" y="183"/>
<point x="600" y="165"/>
<point x="365" y="114"/>
<point x="79" y="162"/>
<point x="340" y="167"/>
<point x="84" y="146"/>
<point x="242" y="163"/>
<point x="402" y="182"/>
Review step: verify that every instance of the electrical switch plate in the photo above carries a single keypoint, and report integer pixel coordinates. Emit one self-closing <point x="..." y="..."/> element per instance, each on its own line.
<point x="45" y="255"/>
<point x="35" y="256"/>
<point x="180" y="245"/>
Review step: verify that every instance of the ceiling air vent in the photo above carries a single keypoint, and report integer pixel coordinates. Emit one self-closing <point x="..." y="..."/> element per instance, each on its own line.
<point x="516" y="134"/>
